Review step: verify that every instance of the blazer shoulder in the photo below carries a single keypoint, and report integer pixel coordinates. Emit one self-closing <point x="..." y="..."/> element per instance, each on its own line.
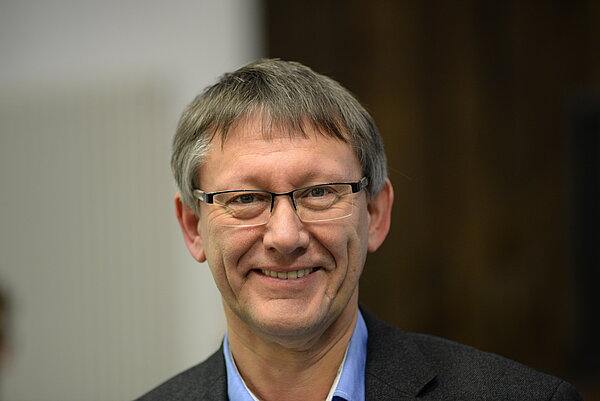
<point x="437" y="368"/>
<point x="205" y="381"/>
<point x="469" y="372"/>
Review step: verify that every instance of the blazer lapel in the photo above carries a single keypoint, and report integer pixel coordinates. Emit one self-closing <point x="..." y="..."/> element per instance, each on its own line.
<point x="215" y="378"/>
<point x="396" y="369"/>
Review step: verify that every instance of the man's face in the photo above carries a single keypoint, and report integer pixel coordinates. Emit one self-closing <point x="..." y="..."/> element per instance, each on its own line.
<point x="334" y="251"/>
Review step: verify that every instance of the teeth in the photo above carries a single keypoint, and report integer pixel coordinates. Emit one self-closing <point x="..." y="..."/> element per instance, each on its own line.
<point x="289" y="275"/>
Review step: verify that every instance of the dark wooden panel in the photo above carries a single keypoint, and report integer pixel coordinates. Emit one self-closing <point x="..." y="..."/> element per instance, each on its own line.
<point x="471" y="98"/>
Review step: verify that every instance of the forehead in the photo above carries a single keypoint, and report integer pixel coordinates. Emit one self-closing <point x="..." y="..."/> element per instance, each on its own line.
<point x="277" y="159"/>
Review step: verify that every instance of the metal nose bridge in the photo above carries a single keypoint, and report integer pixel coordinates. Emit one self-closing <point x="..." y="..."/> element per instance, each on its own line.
<point x="290" y="194"/>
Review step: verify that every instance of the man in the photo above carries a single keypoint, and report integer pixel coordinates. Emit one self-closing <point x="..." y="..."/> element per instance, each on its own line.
<point x="283" y="190"/>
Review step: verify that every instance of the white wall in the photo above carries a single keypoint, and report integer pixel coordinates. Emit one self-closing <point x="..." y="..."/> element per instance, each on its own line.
<point x="106" y="301"/>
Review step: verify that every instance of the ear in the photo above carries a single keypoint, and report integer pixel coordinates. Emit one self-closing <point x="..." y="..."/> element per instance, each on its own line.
<point x="188" y="221"/>
<point x="380" y="216"/>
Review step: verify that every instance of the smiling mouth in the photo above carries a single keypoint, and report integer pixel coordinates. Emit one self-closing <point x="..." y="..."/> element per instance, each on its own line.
<point x="288" y="275"/>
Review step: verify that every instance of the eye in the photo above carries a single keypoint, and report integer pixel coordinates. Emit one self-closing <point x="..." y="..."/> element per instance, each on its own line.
<point x="317" y="192"/>
<point x="244" y="199"/>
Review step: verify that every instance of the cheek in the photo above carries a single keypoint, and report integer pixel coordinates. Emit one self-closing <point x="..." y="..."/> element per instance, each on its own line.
<point x="225" y="246"/>
<point x="224" y="249"/>
<point x="345" y="242"/>
<point x="357" y="244"/>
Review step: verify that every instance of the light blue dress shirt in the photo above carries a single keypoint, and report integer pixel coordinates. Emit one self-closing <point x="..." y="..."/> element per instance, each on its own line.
<point x="350" y="387"/>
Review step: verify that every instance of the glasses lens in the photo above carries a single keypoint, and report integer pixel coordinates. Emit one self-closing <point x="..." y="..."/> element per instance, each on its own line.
<point x="243" y="208"/>
<point x="324" y="202"/>
<point x="313" y="204"/>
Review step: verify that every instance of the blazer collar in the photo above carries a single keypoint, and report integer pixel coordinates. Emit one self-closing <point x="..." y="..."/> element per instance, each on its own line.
<point x="396" y="368"/>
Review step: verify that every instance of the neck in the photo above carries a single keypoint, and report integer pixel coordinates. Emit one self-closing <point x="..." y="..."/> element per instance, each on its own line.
<point x="292" y="369"/>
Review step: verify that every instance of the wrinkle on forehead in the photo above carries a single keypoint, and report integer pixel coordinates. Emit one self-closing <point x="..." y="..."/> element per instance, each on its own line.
<point x="272" y="128"/>
<point x="279" y="163"/>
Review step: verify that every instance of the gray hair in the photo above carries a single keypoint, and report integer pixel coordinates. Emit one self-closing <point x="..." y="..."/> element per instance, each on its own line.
<point x="287" y="95"/>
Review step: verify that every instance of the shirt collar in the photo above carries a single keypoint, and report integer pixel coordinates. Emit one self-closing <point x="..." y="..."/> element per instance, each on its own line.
<point x="236" y="388"/>
<point x="351" y="386"/>
<point x="351" y="383"/>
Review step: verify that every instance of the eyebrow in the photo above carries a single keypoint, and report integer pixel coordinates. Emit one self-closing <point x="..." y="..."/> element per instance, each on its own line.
<point x="252" y="182"/>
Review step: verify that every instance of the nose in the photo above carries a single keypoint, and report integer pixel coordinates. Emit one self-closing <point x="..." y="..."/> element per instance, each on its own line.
<point x="285" y="233"/>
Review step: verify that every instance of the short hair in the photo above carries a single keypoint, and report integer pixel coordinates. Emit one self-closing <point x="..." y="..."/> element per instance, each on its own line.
<point x="287" y="95"/>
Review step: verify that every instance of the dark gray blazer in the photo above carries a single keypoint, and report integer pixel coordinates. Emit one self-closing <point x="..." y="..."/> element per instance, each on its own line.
<point x="401" y="366"/>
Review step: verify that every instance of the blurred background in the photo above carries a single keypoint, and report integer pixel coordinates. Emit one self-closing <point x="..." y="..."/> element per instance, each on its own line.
<point x="490" y="112"/>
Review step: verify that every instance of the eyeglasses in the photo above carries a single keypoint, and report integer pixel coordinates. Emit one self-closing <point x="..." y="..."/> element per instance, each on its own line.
<point x="248" y="208"/>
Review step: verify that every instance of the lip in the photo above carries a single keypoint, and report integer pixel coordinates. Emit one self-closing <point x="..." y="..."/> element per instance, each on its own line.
<point x="285" y="281"/>
<point x="282" y="267"/>
<point x="286" y="269"/>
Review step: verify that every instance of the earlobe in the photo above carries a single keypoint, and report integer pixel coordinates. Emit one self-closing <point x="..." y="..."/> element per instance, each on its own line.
<point x="188" y="221"/>
<point x="380" y="213"/>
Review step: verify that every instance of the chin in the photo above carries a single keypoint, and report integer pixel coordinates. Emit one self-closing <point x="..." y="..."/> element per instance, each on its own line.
<point x="287" y="321"/>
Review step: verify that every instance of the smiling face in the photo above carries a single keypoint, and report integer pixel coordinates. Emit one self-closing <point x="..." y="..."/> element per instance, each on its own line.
<point x="286" y="278"/>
